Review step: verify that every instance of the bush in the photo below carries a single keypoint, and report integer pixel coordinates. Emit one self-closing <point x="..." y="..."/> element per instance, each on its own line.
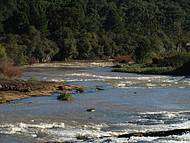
<point x="182" y="71"/>
<point x="66" y="96"/>
<point x="33" y="61"/>
<point x="2" y="51"/>
<point x="80" y="89"/>
<point x="124" y="59"/>
<point x="142" y="68"/>
<point x="8" y="69"/>
<point x="174" y="60"/>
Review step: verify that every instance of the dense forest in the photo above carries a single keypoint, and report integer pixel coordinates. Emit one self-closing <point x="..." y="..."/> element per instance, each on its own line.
<point x="42" y="30"/>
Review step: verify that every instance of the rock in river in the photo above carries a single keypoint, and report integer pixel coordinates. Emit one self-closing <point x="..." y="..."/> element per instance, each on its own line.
<point x="91" y="110"/>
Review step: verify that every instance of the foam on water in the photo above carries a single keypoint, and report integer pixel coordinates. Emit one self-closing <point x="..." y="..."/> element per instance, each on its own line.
<point x="71" y="64"/>
<point x="76" y="72"/>
<point x="95" y="76"/>
<point x="101" y="132"/>
<point x="160" y="89"/>
<point x="55" y="131"/>
<point x="148" y="81"/>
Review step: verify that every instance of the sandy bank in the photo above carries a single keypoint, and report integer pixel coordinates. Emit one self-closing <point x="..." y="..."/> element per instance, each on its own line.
<point x="18" y="89"/>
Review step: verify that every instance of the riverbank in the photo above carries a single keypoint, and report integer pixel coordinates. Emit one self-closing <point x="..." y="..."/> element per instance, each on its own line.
<point x="152" y="69"/>
<point x="14" y="89"/>
<point x="181" y="71"/>
<point x="169" y="64"/>
<point x="141" y="69"/>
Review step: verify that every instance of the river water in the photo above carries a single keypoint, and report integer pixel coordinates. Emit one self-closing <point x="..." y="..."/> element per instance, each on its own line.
<point x="129" y="103"/>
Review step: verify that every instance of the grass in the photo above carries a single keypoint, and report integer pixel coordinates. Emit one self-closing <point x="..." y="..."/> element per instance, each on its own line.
<point x="66" y="96"/>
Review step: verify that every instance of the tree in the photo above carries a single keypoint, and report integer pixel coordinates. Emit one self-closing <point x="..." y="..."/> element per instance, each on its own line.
<point x="86" y="29"/>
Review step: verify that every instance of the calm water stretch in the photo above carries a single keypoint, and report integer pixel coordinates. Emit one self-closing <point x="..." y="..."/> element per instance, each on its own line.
<point x="128" y="103"/>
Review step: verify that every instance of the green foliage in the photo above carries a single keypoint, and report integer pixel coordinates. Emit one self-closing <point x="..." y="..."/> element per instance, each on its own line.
<point x="22" y="48"/>
<point x="89" y="29"/>
<point x="3" y="53"/>
<point x="80" y="89"/>
<point x="65" y="96"/>
<point x="174" y="60"/>
<point x="143" y="69"/>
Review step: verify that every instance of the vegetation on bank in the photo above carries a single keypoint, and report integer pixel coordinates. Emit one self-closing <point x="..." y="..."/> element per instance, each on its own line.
<point x="65" y="96"/>
<point x="12" y="89"/>
<point x="42" y="30"/>
<point x="8" y="69"/>
<point x="183" y="70"/>
<point x="142" y="69"/>
<point x="172" y="65"/>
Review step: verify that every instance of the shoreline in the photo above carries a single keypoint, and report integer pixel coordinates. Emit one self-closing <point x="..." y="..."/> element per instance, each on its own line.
<point x="19" y="89"/>
<point x="152" y="70"/>
<point x="15" y="89"/>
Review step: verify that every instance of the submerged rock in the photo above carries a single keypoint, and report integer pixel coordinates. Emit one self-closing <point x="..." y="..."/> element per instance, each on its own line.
<point x="82" y="137"/>
<point x="156" y="134"/>
<point x="99" y="88"/>
<point x="91" y="110"/>
<point x="80" y="90"/>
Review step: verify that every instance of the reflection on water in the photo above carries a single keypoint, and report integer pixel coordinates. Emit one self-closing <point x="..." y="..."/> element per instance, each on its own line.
<point x="128" y="103"/>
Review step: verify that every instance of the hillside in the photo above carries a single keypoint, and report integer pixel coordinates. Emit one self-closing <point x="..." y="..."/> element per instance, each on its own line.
<point x="43" y="30"/>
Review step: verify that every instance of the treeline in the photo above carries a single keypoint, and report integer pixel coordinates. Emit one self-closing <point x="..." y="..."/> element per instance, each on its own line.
<point x="42" y="30"/>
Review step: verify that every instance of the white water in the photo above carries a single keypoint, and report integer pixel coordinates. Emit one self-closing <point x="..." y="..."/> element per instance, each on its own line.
<point x="130" y="103"/>
<point x="63" y="132"/>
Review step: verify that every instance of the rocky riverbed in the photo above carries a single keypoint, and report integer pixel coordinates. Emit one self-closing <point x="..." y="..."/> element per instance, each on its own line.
<point x="13" y="89"/>
<point x="115" y="107"/>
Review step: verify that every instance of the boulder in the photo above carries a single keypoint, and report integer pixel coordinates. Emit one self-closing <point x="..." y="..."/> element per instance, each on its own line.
<point x="91" y="110"/>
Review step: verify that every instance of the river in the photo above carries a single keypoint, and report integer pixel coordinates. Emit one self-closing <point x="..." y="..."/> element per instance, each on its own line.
<point x="128" y="103"/>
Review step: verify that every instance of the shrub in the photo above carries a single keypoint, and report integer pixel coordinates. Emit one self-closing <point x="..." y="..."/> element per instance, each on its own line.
<point x="145" y="69"/>
<point x="2" y="51"/>
<point x="66" y="96"/>
<point x="175" y="60"/>
<point x="123" y="59"/>
<point x="8" y="69"/>
<point x="80" y="89"/>
<point x="182" y="71"/>
<point x="33" y="61"/>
